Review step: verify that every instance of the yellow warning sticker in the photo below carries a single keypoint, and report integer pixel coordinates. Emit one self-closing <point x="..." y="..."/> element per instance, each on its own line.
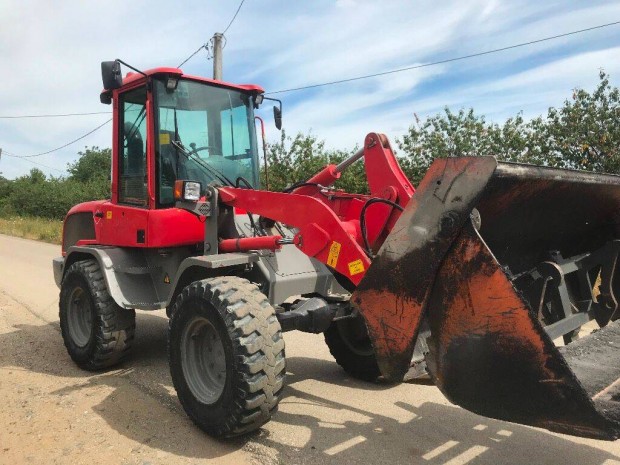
<point x="334" y="252"/>
<point x="356" y="267"/>
<point x="108" y="215"/>
<point x="164" y="138"/>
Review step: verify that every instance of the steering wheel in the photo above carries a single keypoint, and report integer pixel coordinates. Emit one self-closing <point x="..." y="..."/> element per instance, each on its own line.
<point x="195" y="149"/>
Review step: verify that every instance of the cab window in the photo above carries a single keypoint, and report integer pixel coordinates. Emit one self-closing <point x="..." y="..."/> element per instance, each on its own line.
<point x="132" y="177"/>
<point x="205" y="133"/>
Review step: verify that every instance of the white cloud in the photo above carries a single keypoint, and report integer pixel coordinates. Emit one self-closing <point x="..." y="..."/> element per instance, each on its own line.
<point x="51" y="52"/>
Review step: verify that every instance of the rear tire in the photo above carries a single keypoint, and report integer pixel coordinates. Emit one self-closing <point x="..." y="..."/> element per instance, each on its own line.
<point x="96" y="331"/>
<point x="350" y="345"/>
<point x="226" y="355"/>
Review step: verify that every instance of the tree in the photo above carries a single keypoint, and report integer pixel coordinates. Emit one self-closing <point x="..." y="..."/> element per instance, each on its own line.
<point x="93" y="164"/>
<point x="450" y="134"/>
<point x="294" y="160"/>
<point x="582" y="134"/>
<point x="36" y="176"/>
<point x="6" y="186"/>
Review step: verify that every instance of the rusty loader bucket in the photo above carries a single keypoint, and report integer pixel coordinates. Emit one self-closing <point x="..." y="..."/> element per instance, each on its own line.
<point x="501" y="260"/>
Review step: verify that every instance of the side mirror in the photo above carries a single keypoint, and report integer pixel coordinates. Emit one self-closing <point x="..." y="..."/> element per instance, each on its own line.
<point x="111" y="74"/>
<point x="277" y="116"/>
<point x="277" y="110"/>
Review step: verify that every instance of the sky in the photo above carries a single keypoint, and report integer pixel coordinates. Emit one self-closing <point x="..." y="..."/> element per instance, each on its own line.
<point x="51" y="53"/>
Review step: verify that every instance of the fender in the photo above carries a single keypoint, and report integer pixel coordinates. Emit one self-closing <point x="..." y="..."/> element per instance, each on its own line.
<point x="145" y="278"/>
<point x="134" y="290"/>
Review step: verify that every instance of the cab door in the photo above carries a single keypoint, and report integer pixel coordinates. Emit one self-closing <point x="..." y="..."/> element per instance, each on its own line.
<point x="124" y="219"/>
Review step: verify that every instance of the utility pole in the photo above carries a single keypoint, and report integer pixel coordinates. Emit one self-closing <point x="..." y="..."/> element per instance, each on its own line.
<point x="217" y="56"/>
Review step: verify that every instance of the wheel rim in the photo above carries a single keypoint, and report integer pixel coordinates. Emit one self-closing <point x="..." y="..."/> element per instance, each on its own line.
<point x="203" y="360"/>
<point x="79" y="317"/>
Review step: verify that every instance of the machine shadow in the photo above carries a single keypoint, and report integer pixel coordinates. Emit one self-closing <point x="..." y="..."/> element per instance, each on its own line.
<point x="439" y="434"/>
<point x="435" y="434"/>
<point x="143" y="407"/>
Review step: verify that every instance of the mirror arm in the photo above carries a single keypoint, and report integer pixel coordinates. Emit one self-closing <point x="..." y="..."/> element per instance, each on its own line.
<point x="131" y="67"/>
<point x="274" y="100"/>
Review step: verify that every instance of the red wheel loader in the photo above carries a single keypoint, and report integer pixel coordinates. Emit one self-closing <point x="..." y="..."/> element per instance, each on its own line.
<point x="473" y="275"/>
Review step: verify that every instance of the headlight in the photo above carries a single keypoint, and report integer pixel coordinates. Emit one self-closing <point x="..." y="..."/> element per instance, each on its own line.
<point x="187" y="190"/>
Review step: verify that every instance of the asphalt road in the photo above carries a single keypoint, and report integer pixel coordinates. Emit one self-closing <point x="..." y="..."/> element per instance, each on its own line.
<point x="55" y="413"/>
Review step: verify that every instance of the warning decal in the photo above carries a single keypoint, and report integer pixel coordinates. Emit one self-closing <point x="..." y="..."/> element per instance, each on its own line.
<point x="356" y="267"/>
<point x="164" y="138"/>
<point x="334" y="252"/>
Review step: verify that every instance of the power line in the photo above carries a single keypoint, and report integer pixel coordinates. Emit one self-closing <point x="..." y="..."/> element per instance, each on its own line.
<point x="192" y="55"/>
<point x="61" y="147"/>
<point x="206" y="46"/>
<point x="59" y="115"/>
<point x="233" y="18"/>
<point x="357" y="78"/>
<point x="44" y="166"/>
<point x="311" y="86"/>
<point x="9" y="154"/>
<point x="439" y="62"/>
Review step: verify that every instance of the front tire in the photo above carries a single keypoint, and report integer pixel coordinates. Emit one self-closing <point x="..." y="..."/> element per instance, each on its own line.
<point x="96" y="331"/>
<point x="350" y="346"/>
<point x="226" y="355"/>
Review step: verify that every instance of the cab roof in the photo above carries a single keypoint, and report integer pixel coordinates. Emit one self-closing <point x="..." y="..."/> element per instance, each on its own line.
<point x="132" y="77"/>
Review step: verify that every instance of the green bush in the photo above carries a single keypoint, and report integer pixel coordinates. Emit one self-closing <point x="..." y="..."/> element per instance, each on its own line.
<point x="582" y="134"/>
<point x="32" y="195"/>
<point x="35" y="195"/>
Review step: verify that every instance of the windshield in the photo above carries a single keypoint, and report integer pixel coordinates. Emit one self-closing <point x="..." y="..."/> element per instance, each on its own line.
<point x="199" y="124"/>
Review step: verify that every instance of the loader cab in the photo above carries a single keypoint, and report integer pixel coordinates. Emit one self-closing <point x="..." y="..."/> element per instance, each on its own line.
<point x="169" y="127"/>
<point x="204" y="133"/>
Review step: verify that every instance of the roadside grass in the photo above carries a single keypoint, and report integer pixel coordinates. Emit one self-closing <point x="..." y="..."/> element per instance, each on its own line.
<point x="30" y="227"/>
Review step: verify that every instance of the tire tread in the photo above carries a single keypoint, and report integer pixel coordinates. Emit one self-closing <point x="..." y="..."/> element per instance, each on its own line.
<point x="115" y="331"/>
<point x="258" y="352"/>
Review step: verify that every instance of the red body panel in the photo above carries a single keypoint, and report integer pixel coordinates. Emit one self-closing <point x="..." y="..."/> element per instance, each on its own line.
<point x="385" y="177"/>
<point x="322" y="234"/>
<point x="328" y="221"/>
<point x="172" y="227"/>
<point x="85" y="207"/>
<point x="120" y="225"/>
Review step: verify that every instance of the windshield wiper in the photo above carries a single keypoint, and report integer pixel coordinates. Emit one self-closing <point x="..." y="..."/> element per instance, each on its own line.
<point x="176" y="138"/>
<point x="209" y="169"/>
